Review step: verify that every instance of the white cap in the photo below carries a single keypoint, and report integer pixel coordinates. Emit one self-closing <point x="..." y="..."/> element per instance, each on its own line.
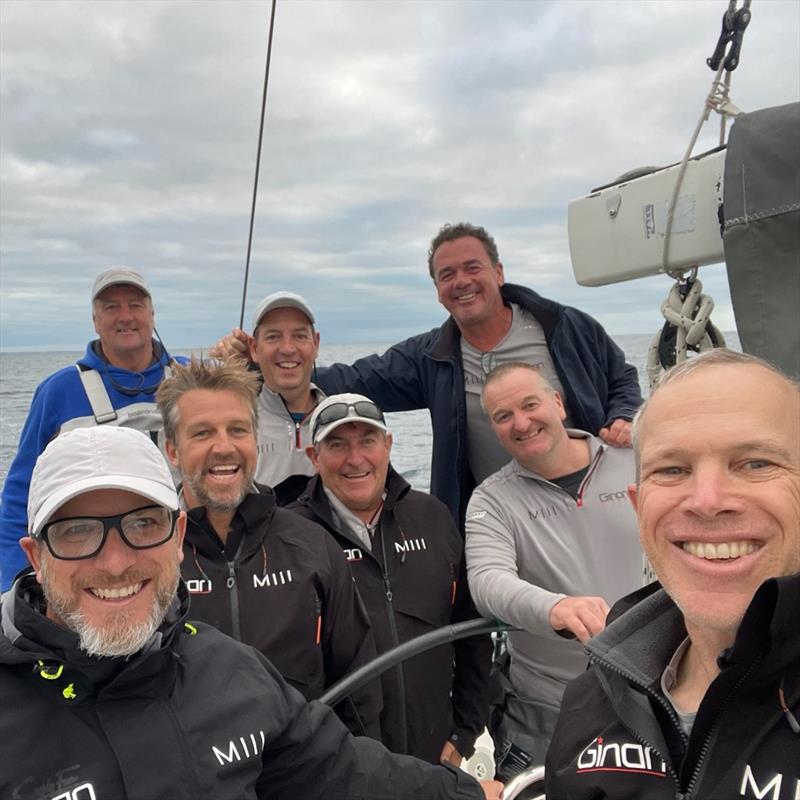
<point x="116" y="276"/>
<point x="281" y="300"/>
<point x="102" y="457"/>
<point x="351" y="415"/>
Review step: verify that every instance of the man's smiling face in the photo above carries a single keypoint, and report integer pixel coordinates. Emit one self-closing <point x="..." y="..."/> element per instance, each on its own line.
<point x="285" y="346"/>
<point x="214" y="448"/>
<point x="116" y="599"/>
<point x="467" y="283"/>
<point x="718" y="498"/>
<point x="353" y="461"/>
<point x="123" y="318"/>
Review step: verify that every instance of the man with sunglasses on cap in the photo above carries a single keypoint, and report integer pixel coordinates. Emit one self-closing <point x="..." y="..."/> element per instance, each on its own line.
<point x="114" y="383"/>
<point x="108" y="691"/>
<point x="407" y="560"/>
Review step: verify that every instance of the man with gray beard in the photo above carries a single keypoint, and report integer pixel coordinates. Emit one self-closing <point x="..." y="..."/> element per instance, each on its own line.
<point x="113" y="598"/>
<point x="257" y="572"/>
<point x="107" y="691"/>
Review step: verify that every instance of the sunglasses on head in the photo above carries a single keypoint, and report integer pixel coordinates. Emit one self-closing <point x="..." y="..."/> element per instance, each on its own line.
<point x="339" y="411"/>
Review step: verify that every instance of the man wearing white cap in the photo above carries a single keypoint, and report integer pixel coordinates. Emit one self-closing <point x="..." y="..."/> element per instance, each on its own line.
<point x="113" y="384"/>
<point x="407" y="561"/>
<point x="285" y="345"/>
<point x="108" y="691"/>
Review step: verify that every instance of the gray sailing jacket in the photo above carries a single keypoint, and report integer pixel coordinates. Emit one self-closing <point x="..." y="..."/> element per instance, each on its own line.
<point x="281" y="441"/>
<point x="530" y="544"/>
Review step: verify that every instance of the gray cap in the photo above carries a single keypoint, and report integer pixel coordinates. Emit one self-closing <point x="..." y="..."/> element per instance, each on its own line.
<point x="117" y="276"/>
<point x="101" y="457"/>
<point x="281" y="300"/>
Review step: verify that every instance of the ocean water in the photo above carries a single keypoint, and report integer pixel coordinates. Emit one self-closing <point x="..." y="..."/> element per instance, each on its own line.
<point x="20" y="374"/>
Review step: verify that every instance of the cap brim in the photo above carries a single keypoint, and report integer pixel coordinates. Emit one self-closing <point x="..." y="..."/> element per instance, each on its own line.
<point x="151" y="490"/>
<point x="332" y="426"/>
<point x="122" y="282"/>
<point x="283" y="303"/>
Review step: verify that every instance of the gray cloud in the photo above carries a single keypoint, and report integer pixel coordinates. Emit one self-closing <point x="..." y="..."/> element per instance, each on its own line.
<point x="129" y="134"/>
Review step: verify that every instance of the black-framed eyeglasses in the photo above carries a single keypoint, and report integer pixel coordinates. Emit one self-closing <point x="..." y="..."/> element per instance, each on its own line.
<point x="73" y="538"/>
<point x="338" y="411"/>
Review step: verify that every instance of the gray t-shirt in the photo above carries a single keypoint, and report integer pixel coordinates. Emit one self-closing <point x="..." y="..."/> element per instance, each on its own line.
<point x="524" y="342"/>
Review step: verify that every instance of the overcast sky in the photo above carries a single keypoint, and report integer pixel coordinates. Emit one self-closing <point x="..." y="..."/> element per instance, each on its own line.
<point x="129" y="136"/>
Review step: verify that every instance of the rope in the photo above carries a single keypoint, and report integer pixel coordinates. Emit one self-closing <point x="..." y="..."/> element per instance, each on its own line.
<point x="687" y="310"/>
<point x="688" y="326"/>
<point x="258" y="164"/>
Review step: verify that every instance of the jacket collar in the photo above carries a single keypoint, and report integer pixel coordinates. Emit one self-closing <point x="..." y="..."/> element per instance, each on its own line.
<point x="314" y="496"/>
<point x="254" y="514"/>
<point x="596" y="450"/>
<point x="642" y="640"/>
<point x="28" y="635"/>
<point x="275" y="402"/>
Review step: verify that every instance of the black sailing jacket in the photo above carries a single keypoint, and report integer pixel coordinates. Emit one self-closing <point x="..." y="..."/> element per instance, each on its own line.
<point x="617" y="737"/>
<point x="413" y="582"/>
<point x="288" y="592"/>
<point x="193" y="716"/>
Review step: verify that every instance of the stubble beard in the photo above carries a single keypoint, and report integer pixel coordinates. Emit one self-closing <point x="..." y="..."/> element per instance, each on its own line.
<point x="214" y="501"/>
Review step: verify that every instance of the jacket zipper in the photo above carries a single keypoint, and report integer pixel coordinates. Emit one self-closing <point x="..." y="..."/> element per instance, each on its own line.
<point x="670" y="712"/>
<point x="589" y="474"/>
<point x="707" y="741"/>
<point x="234" y="595"/>
<point x="297" y="425"/>
<point x="401" y="706"/>
<point x="318" y="608"/>
<point x="679" y="795"/>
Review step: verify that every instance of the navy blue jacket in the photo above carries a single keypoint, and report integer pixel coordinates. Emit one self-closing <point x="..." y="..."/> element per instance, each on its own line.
<point x="425" y="371"/>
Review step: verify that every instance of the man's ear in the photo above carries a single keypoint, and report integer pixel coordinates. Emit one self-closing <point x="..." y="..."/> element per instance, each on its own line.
<point x="172" y="452"/>
<point x="180" y="532"/>
<point x="313" y="457"/>
<point x="32" y="550"/>
<point x="633" y="496"/>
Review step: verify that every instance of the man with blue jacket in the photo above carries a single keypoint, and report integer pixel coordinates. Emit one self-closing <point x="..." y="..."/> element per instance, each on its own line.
<point x="113" y="384"/>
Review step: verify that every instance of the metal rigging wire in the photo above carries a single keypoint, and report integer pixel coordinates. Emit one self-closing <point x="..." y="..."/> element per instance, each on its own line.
<point x="258" y="163"/>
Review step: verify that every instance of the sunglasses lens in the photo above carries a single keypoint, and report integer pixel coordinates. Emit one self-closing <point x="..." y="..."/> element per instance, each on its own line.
<point x="339" y="411"/>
